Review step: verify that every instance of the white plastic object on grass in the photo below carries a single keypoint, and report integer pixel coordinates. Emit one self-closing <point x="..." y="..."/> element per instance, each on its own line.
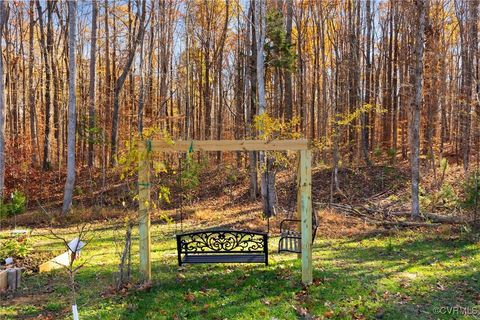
<point x="17" y="232"/>
<point x="9" y="260"/>
<point x="75" y="312"/>
<point x="76" y="245"/>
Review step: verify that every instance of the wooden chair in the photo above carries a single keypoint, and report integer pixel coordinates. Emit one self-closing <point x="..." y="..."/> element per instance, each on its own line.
<point x="291" y="236"/>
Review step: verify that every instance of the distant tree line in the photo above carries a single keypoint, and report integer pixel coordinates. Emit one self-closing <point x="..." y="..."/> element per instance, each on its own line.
<point x="363" y="77"/>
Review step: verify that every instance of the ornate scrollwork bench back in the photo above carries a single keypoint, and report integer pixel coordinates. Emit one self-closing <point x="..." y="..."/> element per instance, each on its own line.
<point x="222" y="246"/>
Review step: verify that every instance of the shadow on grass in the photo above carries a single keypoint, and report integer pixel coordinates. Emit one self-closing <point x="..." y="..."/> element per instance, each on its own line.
<point x="218" y="292"/>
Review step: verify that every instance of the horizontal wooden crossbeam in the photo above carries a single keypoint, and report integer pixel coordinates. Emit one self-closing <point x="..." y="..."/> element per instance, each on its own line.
<point x="231" y="145"/>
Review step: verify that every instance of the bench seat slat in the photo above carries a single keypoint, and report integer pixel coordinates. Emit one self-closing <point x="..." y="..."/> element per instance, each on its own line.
<point x="224" y="258"/>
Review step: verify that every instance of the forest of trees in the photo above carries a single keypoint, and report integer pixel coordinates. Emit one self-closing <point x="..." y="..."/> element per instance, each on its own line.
<point x="361" y="77"/>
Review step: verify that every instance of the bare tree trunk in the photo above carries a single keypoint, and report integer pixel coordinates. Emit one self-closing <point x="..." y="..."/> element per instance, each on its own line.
<point x="239" y="91"/>
<point x="472" y="43"/>
<point x="31" y="91"/>
<point x="43" y="44"/>
<point x="188" y="106"/>
<point x="51" y="6"/>
<point x="141" y="94"/>
<point x="130" y="107"/>
<point x="72" y="34"/>
<point x="353" y="73"/>
<point x="288" y="72"/>
<point x="3" y="19"/>
<point x="252" y="89"/>
<point x="220" y="102"/>
<point x="91" y="97"/>
<point x="335" y="185"/>
<point x="121" y="81"/>
<point x="395" y="87"/>
<point x="108" y="83"/>
<point x="302" y="110"/>
<point x="149" y="76"/>
<point x="365" y="119"/>
<point x="267" y="177"/>
<point x="24" y="84"/>
<point x="476" y="56"/>
<point x="420" y="9"/>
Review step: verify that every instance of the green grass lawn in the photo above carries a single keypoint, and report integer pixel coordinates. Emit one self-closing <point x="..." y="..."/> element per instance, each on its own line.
<point x="408" y="275"/>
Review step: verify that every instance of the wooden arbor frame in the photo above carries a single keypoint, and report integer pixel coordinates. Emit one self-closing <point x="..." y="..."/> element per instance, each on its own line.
<point x="304" y="188"/>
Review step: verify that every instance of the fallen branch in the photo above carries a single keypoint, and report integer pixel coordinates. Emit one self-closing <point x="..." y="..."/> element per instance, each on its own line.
<point x="406" y="224"/>
<point x="368" y="214"/>
<point x="437" y="218"/>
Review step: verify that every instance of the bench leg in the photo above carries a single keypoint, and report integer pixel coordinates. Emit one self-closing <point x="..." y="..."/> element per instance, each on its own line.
<point x="265" y="240"/>
<point x="179" y="251"/>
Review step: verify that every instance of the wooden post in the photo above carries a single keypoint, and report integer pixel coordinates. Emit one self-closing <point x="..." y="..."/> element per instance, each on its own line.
<point x="299" y="197"/>
<point x="143" y="210"/>
<point x="3" y="280"/>
<point x="305" y="205"/>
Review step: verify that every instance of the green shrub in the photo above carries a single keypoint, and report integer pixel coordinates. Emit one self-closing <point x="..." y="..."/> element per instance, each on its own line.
<point x="377" y="152"/>
<point x="190" y="175"/>
<point x="16" y="247"/>
<point x="472" y="191"/>
<point x="232" y="174"/>
<point x="17" y="205"/>
<point x="392" y="152"/>
<point x="444" y="198"/>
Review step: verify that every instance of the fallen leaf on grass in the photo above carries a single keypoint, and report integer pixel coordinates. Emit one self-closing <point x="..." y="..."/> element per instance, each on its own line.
<point x="303" y="313"/>
<point x="189" y="297"/>
<point x="440" y="286"/>
<point x="205" y="307"/>
<point x="180" y="277"/>
<point x="145" y="286"/>
<point x="328" y="314"/>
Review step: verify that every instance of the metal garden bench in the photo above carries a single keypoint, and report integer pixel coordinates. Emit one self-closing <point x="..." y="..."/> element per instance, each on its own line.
<point x="222" y="246"/>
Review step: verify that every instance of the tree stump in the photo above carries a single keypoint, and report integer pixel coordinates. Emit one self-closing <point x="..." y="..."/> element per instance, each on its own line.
<point x="14" y="277"/>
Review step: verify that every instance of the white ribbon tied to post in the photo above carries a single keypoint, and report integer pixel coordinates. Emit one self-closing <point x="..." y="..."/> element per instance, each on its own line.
<point x="75" y="312"/>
